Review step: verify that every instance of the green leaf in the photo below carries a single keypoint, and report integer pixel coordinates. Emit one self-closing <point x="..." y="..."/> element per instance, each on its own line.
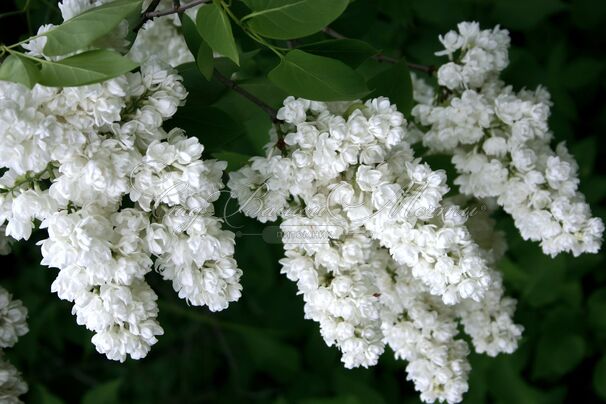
<point x="523" y="14"/>
<point x="255" y="121"/>
<point x="81" y="31"/>
<point x="85" y="68"/>
<point x="582" y="72"/>
<point x="396" y="84"/>
<point x="264" y="89"/>
<point x="200" y="91"/>
<point x="190" y="33"/>
<point x="19" y="69"/>
<point x="40" y="395"/>
<point x="586" y="151"/>
<point x="507" y="386"/>
<point x="349" y="51"/>
<point x="596" y="310"/>
<point x="215" y="28"/>
<point x="594" y="189"/>
<point x="289" y="19"/>
<point x="215" y="128"/>
<point x="234" y="160"/>
<point x="200" y="49"/>
<point x="599" y="378"/>
<point x="558" y="354"/>
<point x="317" y="78"/>
<point x="103" y="393"/>
<point x="361" y="387"/>
<point x="205" y="60"/>
<point x="545" y="278"/>
<point x="279" y="358"/>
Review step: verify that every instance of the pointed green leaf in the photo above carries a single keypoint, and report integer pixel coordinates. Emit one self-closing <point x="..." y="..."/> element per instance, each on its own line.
<point x="205" y="61"/>
<point x="190" y="33"/>
<point x="79" y="32"/>
<point x="289" y="19"/>
<point x="215" y="28"/>
<point x="394" y="83"/>
<point x="103" y="393"/>
<point x="85" y="68"/>
<point x="201" y="92"/>
<point x="349" y="51"/>
<point x="19" y="69"/>
<point x="200" y="49"/>
<point x="317" y="78"/>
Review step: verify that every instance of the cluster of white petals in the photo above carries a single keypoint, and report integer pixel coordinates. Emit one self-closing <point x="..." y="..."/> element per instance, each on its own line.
<point x="479" y="55"/>
<point x="161" y="38"/>
<point x="501" y="143"/>
<point x="13" y="325"/>
<point x="94" y="166"/>
<point x="380" y="257"/>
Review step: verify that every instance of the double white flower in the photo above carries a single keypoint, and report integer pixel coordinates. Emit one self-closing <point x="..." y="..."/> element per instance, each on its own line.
<point x="501" y="144"/>
<point x="114" y="190"/>
<point x="380" y="256"/>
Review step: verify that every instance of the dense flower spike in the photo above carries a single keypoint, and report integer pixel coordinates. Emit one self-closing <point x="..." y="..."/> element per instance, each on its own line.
<point x="500" y="143"/>
<point x="13" y="325"/>
<point x="74" y="156"/>
<point x="380" y="256"/>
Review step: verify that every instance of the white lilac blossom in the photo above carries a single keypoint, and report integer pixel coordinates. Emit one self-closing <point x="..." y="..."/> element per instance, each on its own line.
<point x="379" y="255"/>
<point x="161" y="37"/>
<point x="12" y="384"/>
<point x="500" y="143"/>
<point x="363" y="164"/>
<point x="13" y="315"/>
<point x="13" y="325"/>
<point x="193" y="251"/>
<point x="475" y="55"/>
<point x="71" y="157"/>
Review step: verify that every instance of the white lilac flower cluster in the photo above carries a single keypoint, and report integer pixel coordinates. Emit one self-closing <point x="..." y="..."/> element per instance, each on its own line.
<point x="13" y="325"/>
<point x="377" y="253"/>
<point x="500" y="143"/>
<point x="160" y="37"/>
<point x="115" y="191"/>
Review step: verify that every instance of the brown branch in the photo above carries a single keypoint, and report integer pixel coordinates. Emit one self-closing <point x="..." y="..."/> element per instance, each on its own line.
<point x="383" y="58"/>
<point x="234" y="86"/>
<point x="152" y="6"/>
<point x="176" y="10"/>
<point x="150" y="13"/>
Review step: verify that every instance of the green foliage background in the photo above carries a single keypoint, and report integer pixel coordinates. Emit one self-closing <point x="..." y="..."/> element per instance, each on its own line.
<point x="261" y="349"/>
